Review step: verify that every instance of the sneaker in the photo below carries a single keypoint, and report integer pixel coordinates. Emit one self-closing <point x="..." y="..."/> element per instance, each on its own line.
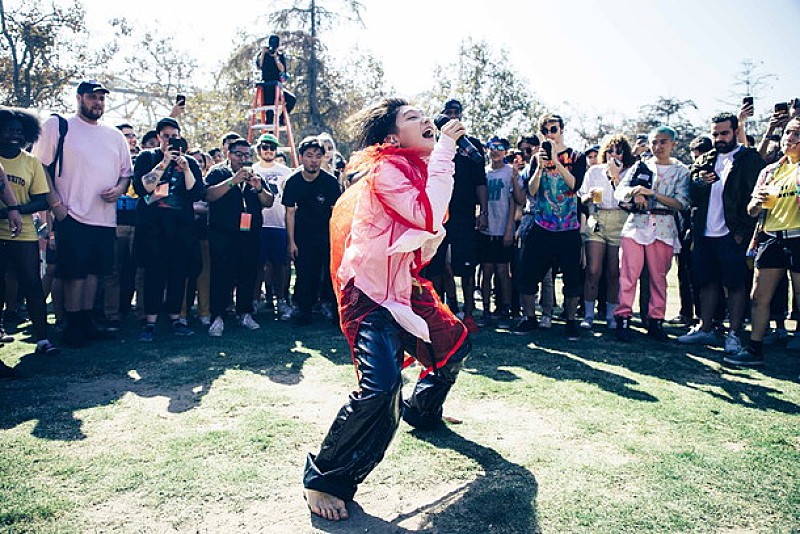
<point x="622" y="333"/>
<point x="745" y="358"/>
<point x="111" y="325"/>
<point x="217" y="327"/>
<point x="285" y="310"/>
<point x="472" y="327"/>
<point x="180" y="328"/>
<point x="148" y="333"/>
<point x="696" y="336"/>
<point x="732" y="343"/>
<point x="587" y="323"/>
<point x="679" y="320"/>
<point x="526" y="325"/>
<point x="484" y="319"/>
<point x="572" y="330"/>
<point x="655" y="330"/>
<point x="46" y="348"/>
<point x="611" y="322"/>
<point x="327" y="311"/>
<point x="546" y="322"/>
<point x="205" y="320"/>
<point x="775" y="336"/>
<point x="248" y="322"/>
<point x="4" y="337"/>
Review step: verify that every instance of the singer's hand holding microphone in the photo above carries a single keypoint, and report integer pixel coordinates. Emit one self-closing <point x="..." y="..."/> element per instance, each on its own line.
<point x="454" y="129"/>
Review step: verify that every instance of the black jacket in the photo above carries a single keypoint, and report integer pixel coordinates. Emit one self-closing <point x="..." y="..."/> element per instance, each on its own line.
<point x="735" y="197"/>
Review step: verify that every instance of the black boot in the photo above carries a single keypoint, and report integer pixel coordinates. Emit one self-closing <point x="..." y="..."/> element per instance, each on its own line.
<point x="623" y="331"/>
<point x="655" y="329"/>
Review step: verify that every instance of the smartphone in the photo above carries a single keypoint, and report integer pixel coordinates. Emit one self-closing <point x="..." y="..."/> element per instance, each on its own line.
<point x="180" y="100"/>
<point x="782" y="107"/>
<point x="548" y="149"/>
<point x="178" y="145"/>
<point x="747" y="101"/>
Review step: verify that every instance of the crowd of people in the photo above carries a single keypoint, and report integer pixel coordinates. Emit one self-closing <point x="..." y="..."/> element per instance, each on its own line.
<point x="152" y="226"/>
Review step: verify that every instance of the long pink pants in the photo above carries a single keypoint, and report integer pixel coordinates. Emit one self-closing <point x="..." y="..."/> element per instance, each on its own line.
<point x="633" y="256"/>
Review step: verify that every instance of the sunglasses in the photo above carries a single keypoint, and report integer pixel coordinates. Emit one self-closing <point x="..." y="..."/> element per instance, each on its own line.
<point x="552" y="130"/>
<point x="528" y="150"/>
<point x="268" y="147"/>
<point x="130" y="135"/>
<point x="496" y="146"/>
<point x="241" y="154"/>
<point x="614" y="150"/>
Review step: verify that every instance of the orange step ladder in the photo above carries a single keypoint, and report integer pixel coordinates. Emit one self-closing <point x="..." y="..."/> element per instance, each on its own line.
<point x="258" y="119"/>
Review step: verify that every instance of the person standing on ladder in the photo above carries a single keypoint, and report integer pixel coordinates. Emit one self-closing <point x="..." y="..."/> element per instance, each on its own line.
<point x="272" y="63"/>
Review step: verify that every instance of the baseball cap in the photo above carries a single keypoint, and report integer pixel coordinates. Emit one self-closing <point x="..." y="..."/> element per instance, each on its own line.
<point x="269" y="138"/>
<point x="498" y="141"/>
<point x="595" y="148"/>
<point x="91" y="86"/>
<point x="453" y="104"/>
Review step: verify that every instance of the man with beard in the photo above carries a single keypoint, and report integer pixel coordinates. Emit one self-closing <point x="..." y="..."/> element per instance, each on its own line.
<point x="309" y="196"/>
<point x="94" y="172"/>
<point x="722" y="181"/>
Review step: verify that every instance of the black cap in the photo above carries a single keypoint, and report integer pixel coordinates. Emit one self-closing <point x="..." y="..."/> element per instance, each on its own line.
<point x="91" y="86"/>
<point x="595" y="148"/>
<point x="453" y="104"/>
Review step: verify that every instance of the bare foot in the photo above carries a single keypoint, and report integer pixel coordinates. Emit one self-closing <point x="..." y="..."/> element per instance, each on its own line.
<point x="326" y="505"/>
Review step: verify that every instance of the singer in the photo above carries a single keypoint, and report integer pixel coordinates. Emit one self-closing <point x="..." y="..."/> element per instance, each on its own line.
<point x="384" y="229"/>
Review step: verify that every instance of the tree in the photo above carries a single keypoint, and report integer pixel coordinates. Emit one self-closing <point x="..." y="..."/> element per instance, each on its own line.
<point x="310" y="17"/>
<point x="495" y="98"/>
<point x="43" y="48"/>
<point x="666" y="111"/>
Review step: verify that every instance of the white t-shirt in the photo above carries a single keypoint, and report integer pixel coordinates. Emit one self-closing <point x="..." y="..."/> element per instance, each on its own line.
<point x="95" y="156"/>
<point x="715" y="219"/>
<point x="275" y="176"/>
<point x="597" y="177"/>
<point x="499" y="190"/>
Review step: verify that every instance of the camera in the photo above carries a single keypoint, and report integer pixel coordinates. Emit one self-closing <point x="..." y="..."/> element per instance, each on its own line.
<point x="642" y="176"/>
<point x="178" y="145"/>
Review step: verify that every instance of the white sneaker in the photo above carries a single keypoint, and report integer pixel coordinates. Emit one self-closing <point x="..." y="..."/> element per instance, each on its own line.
<point x="216" y="328"/>
<point x="248" y="322"/>
<point x="732" y="343"/>
<point x="285" y="310"/>
<point x="697" y="337"/>
<point x="205" y="320"/>
<point x="587" y="323"/>
<point x="546" y="322"/>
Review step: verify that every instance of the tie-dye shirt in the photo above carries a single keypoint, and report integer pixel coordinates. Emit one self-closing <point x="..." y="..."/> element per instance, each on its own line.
<point x="555" y="206"/>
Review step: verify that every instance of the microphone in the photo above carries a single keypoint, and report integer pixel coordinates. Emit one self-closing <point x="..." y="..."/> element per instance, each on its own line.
<point x="462" y="142"/>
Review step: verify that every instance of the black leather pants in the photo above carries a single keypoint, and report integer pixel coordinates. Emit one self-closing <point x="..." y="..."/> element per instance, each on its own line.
<point x="365" y="425"/>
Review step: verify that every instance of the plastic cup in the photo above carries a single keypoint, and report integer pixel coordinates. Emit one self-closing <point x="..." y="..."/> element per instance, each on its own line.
<point x="597" y="196"/>
<point x="772" y="197"/>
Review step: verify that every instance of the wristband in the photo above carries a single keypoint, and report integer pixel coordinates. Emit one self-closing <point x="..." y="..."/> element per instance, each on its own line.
<point x="12" y="208"/>
<point x="230" y="182"/>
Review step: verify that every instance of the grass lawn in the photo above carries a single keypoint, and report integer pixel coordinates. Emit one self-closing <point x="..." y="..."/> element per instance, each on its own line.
<point x="209" y="435"/>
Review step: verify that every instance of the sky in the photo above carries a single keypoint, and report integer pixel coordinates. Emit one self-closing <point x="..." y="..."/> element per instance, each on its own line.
<point x="609" y="56"/>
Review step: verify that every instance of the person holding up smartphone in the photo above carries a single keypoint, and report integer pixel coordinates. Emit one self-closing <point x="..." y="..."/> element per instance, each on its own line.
<point x="167" y="183"/>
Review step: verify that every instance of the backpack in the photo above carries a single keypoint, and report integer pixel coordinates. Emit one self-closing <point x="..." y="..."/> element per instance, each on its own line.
<point x="58" y="159"/>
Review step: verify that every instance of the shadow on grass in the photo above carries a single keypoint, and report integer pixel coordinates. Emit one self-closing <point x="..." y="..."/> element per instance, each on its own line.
<point x="549" y="354"/>
<point x="50" y="390"/>
<point x="502" y="499"/>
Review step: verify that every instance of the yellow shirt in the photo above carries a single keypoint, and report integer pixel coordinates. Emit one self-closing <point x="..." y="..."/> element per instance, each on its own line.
<point x="785" y="215"/>
<point x="25" y="178"/>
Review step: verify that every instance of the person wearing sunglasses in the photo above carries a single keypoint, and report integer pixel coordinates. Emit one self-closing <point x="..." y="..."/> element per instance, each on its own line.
<point x="552" y="236"/>
<point x="604" y="225"/>
<point x="235" y="198"/>
<point x="274" y="266"/>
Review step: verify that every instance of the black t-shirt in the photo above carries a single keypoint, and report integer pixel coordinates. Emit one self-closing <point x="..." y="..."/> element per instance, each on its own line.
<point x="314" y="202"/>
<point x="225" y="213"/>
<point x="269" y="70"/>
<point x="468" y="176"/>
<point x="180" y="200"/>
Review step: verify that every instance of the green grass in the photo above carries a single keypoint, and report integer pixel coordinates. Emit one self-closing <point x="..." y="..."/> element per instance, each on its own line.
<point x="207" y="435"/>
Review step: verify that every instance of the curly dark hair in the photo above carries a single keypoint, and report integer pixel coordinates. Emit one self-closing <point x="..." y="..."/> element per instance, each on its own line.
<point x="622" y="143"/>
<point x="31" y="128"/>
<point x="371" y="125"/>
